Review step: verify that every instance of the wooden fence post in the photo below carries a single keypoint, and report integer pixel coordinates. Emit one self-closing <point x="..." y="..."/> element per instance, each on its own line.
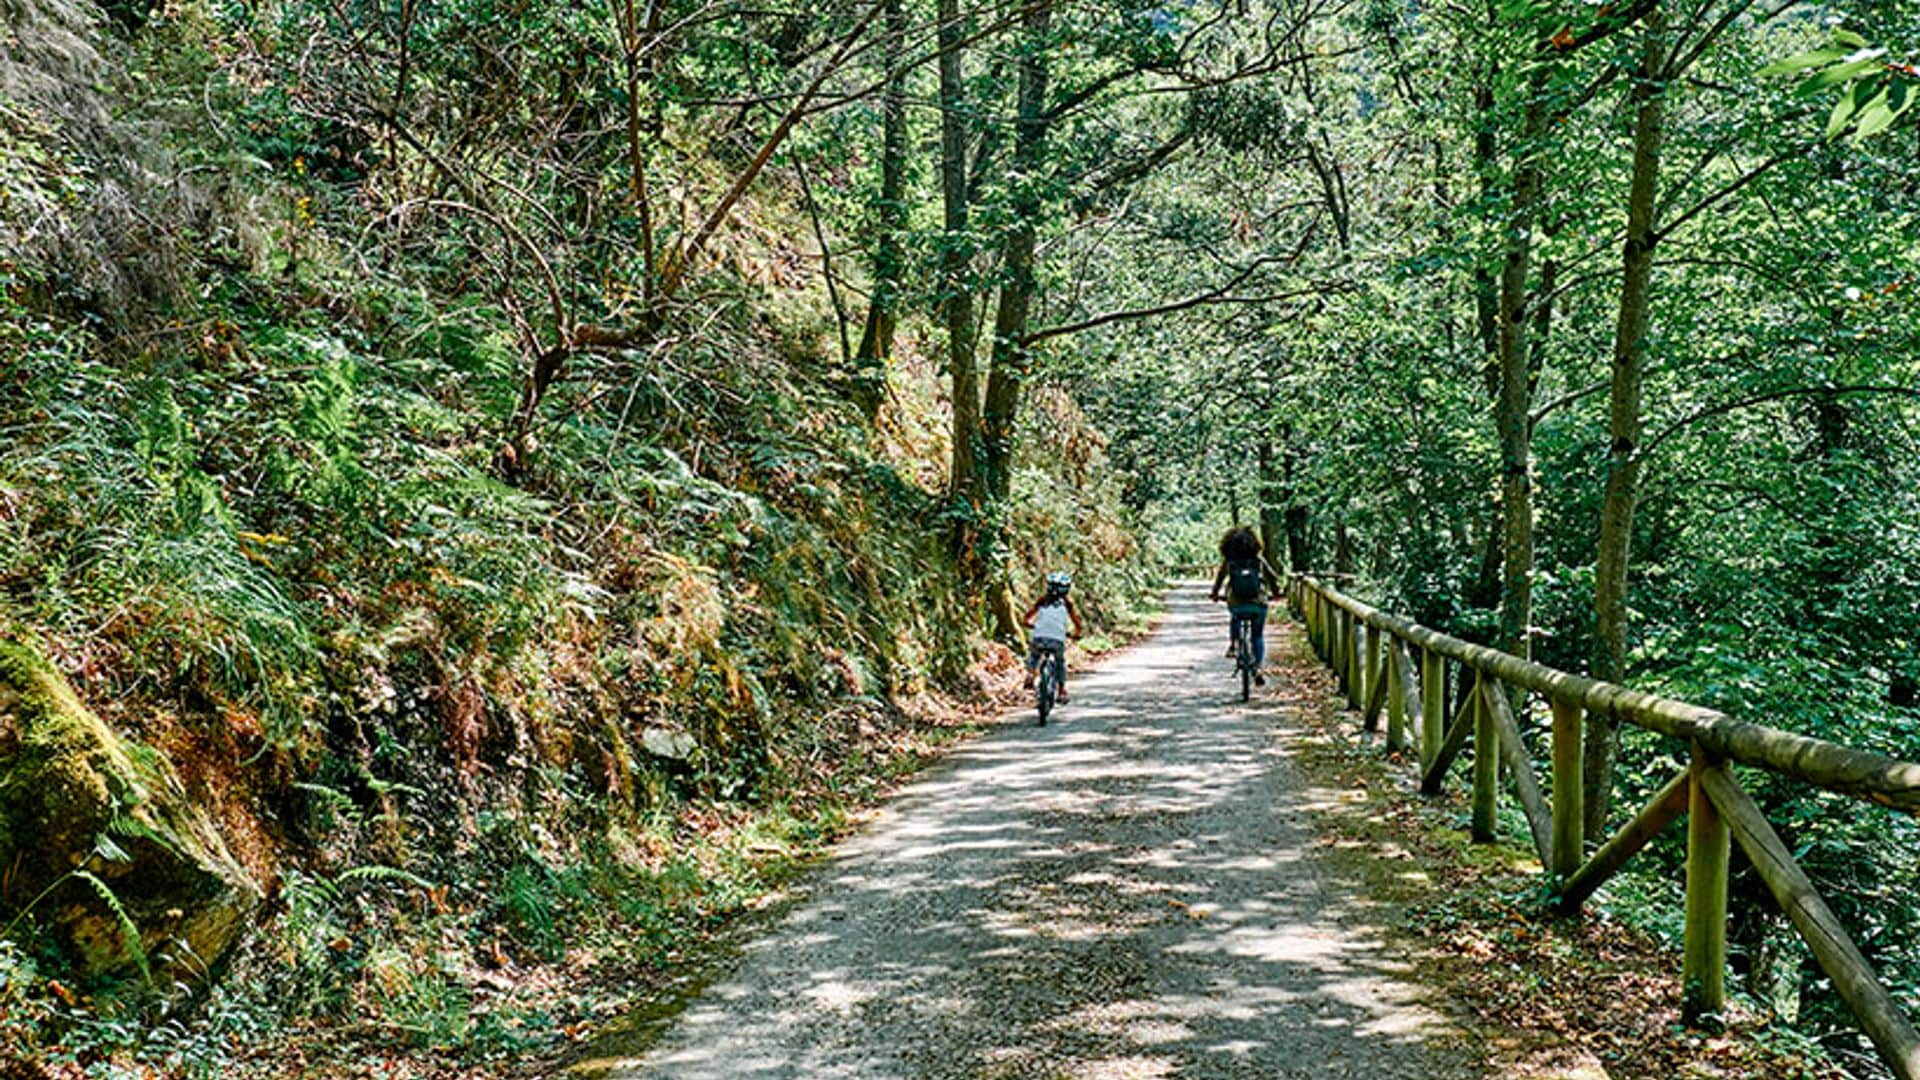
<point x="1376" y="680"/>
<point x="1364" y="637"/>
<point x="1350" y="656"/>
<point x="1349" y="651"/>
<point x="1853" y="978"/>
<point x="1704" y="969"/>
<point x="1433" y="705"/>
<point x="1455" y="740"/>
<point x="1338" y="661"/>
<point x="1569" y="792"/>
<point x="1310" y="612"/>
<point x="1526" y="785"/>
<point x="1326" y="629"/>
<point x="1399" y="673"/>
<point x="1316" y="626"/>
<point x="1662" y="810"/>
<point x="1486" y="762"/>
<point x="1333" y="643"/>
<point x="1370" y="674"/>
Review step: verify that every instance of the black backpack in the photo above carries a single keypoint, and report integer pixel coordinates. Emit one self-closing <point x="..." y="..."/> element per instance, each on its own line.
<point x="1243" y="581"/>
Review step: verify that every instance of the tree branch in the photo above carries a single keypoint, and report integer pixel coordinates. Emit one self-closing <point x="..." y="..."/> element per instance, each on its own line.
<point x="1566" y="399"/>
<point x="1725" y="407"/>
<point x="1729" y="189"/>
<point x="675" y="272"/>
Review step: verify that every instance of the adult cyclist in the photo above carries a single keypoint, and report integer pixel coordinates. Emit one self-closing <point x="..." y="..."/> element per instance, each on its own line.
<point x="1248" y="582"/>
<point x="1050" y="617"/>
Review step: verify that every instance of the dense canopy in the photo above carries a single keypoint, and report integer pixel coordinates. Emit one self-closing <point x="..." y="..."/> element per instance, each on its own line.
<point x="483" y="447"/>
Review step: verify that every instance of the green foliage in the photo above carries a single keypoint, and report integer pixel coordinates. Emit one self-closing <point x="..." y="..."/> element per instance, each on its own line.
<point x="490" y="692"/>
<point x="1871" y="90"/>
<point x="1774" y="539"/>
<point x="447" y="621"/>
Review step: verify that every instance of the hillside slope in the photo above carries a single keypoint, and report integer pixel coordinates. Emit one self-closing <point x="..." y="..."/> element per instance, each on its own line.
<point x="479" y="705"/>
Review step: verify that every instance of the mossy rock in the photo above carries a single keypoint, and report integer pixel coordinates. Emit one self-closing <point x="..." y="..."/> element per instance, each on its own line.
<point x="68" y="782"/>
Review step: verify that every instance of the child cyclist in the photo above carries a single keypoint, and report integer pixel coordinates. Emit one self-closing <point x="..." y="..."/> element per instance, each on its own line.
<point x="1249" y="581"/>
<point x="1051" y="617"/>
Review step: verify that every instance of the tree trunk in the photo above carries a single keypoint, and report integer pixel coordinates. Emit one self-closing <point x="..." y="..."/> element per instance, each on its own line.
<point x="640" y="33"/>
<point x="1293" y="511"/>
<point x="1273" y="499"/>
<point x="1629" y="370"/>
<point x="889" y="261"/>
<point x="956" y="257"/>
<point x="1011" y="357"/>
<point x="1511" y="413"/>
<point x="1270" y="498"/>
<point x="1486" y="301"/>
<point x="1483" y="590"/>
<point x="1543" y="317"/>
<point x="1299" y="550"/>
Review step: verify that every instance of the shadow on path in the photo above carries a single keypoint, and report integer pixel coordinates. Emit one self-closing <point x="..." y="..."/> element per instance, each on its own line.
<point x="1127" y="892"/>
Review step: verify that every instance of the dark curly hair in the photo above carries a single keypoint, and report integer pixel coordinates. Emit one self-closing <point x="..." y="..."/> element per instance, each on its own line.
<point x="1241" y="542"/>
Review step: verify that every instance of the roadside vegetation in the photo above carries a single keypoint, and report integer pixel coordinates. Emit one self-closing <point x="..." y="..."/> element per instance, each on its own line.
<point x="489" y="489"/>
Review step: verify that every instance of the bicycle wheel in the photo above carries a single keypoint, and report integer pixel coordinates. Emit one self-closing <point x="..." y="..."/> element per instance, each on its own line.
<point x="1243" y="658"/>
<point x="1046" y="691"/>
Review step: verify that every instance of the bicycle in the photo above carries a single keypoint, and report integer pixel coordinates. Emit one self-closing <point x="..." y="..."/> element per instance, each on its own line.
<point x="1243" y="655"/>
<point x="1052" y="674"/>
<point x="1243" y="658"/>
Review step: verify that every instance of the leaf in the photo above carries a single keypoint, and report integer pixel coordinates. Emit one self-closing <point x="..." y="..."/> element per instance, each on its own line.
<point x="1816" y="58"/>
<point x="1841" y="116"/>
<point x="1900" y="97"/>
<point x="104" y="847"/>
<point x="128" y="931"/>
<point x="1840" y="73"/>
<point x="1875" y="118"/>
<point x="1848" y="38"/>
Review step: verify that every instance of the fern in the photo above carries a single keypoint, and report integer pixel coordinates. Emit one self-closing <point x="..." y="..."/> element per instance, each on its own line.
<point x="331" y="796"/>
<point x="129" y="933"/>
<point x="385" y="787"/>
<point x="129" y="827"/>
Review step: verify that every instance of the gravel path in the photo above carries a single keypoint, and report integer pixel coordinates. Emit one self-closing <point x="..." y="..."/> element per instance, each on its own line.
<point x="1127" y="892"/>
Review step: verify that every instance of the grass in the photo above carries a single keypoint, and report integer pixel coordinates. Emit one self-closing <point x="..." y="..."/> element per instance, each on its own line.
<point x="556" y="951"/>
<point x="274" y="538"/>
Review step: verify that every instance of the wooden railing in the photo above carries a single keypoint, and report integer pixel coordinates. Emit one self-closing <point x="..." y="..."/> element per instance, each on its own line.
<point x="1374" y="656"/>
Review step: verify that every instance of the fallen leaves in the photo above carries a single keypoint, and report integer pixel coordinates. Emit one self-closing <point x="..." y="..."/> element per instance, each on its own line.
<point x="1544" y="995"/>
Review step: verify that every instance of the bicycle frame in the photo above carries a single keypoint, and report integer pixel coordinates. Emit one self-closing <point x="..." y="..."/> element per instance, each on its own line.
<point x="1052" y="676"/>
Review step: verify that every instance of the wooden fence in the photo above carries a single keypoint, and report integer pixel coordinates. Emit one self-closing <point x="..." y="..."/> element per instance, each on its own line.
<point x="1388" y="664"/>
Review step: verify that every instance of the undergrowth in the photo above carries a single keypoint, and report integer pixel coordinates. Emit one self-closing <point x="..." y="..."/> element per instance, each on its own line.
<point x="502" y="730"/>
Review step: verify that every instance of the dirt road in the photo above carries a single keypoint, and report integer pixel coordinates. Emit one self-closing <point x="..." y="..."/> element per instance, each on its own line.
<point x="1128" y="892"/>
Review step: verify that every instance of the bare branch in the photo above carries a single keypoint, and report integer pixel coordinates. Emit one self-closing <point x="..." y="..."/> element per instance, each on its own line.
<point x="1220" y="295"/>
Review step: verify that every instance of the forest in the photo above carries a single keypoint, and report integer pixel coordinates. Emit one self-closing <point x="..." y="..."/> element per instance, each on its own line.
<point x="491" y="489"/>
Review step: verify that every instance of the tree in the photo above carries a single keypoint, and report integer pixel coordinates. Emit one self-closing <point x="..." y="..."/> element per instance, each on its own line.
<point x="889" y="259"/>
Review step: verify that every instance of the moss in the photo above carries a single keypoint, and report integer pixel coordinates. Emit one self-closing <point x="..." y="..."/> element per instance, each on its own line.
<point x="59" y="787"/>
<point x="66" y="780"/>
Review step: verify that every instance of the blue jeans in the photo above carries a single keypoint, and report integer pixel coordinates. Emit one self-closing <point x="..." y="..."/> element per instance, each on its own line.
<point x="1256" y="617"/>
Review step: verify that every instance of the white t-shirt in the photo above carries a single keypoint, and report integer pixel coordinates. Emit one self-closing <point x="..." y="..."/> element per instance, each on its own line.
<point x="1051" y="621"/>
